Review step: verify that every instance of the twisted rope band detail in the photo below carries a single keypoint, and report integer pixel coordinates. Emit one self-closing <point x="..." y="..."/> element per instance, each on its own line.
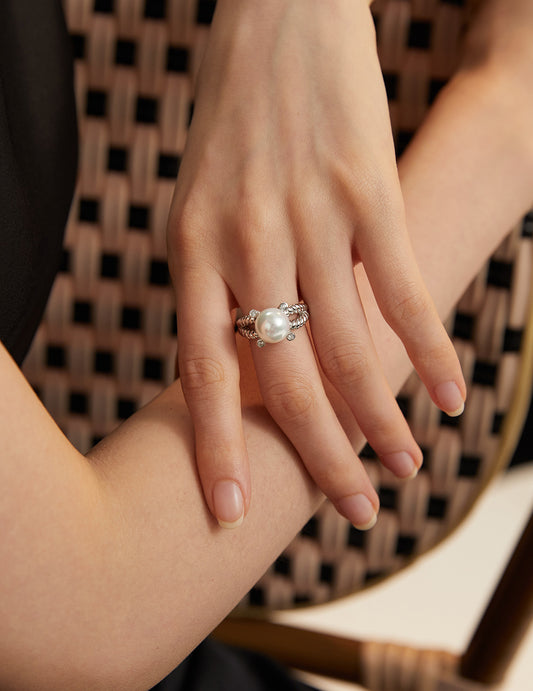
<point x="273" y="325"/>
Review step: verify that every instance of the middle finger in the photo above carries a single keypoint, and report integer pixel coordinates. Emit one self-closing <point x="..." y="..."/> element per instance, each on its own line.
<point x="293" y="393"/>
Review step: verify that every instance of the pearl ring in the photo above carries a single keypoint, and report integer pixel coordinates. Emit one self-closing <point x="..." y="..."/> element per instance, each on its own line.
<point x="272" y="325"/>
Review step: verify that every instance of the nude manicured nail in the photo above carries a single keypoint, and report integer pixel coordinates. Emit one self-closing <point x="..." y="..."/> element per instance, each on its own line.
<point x="228" y="503"/>
<point x="450" y="398"/>
<point x="401" y="464"/>
<point x="358" y="509"/>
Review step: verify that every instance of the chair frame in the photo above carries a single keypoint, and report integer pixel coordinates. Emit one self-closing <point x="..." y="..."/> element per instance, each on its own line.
<point x="485" y="660"/>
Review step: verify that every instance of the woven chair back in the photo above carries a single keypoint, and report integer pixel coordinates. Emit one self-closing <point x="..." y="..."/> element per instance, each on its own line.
<point x="108" y="340"/>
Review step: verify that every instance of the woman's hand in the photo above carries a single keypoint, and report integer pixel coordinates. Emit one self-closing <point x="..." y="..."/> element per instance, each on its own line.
<point x="288" y="179"/>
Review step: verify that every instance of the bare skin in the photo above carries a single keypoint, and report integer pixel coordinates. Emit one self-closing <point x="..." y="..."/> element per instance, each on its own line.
<point x="288" y="178"/>
<point x="112" y="567"/>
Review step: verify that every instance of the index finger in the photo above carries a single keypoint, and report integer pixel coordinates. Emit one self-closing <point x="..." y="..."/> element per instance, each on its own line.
<point x="209" y="372"/>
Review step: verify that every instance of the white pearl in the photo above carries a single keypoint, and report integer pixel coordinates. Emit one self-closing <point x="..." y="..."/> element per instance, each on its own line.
<point x="272" y="325"/>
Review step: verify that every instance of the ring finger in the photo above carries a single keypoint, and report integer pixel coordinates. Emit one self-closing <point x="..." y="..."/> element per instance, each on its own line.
<point x="293" y="393"/>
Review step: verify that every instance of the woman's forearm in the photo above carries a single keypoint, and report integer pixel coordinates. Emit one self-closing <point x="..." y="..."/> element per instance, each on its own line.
<point x="130" y="570"/>
<point x="466" y="180"/>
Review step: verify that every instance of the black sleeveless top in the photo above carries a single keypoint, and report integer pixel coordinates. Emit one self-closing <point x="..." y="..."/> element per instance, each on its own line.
<point x="38" y="152"/>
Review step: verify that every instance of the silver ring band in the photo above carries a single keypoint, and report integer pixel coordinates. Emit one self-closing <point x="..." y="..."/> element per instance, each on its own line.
<point x="273" y="324"/>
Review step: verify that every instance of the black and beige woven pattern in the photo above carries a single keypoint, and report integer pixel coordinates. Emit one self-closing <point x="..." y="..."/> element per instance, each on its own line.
<point x="330" y="558"/>
<point x="108" y="340"/>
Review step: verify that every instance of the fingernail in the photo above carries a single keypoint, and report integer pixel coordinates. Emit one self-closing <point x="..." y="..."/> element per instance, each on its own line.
<point x="450" y="398"/>
<point x="358" y="509"/>
<point x="401" y="464"/>
<point x="228" y="503"/>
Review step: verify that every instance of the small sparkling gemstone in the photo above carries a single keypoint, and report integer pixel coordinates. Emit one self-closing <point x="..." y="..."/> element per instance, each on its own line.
<point x="272" y="325"/>
<point x="291" y="336"/>
<point x="253" y="313"/>
<point x="283" y="306"/>
<point x="260" y="343"/>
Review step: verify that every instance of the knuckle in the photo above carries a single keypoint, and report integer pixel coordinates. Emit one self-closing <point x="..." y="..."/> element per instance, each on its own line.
<point x="292" y="402"/>
<point x="304" y="200"/>
<point x="248" y="221"/>
<point x="184" y="214"/>
<point x="380" y="200"/>
<point x="410" y="306"/>
<point x="374" y="189"/>
<point x="437" y="355"/>
<point x="332" y="478"/>
<point x="215" y="455"/>
<point x="251" y="239"/>
<point x="345" y="364"/>
<point x="202" y="375"/>
<point x="248" y="227"/>
<point x="373" y="193"/>
<point x="188" y="227"/>
<point x="255" y="200"/>
<point x="385" y="430"/>
<point x="367" y="184"/>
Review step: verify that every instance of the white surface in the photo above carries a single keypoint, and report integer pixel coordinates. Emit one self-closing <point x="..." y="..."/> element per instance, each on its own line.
<point x="437" y="602"/>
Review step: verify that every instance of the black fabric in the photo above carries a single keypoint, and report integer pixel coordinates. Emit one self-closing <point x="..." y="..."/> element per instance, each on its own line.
<point x="217" y="667"/>
<point x="38" y="147"/>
